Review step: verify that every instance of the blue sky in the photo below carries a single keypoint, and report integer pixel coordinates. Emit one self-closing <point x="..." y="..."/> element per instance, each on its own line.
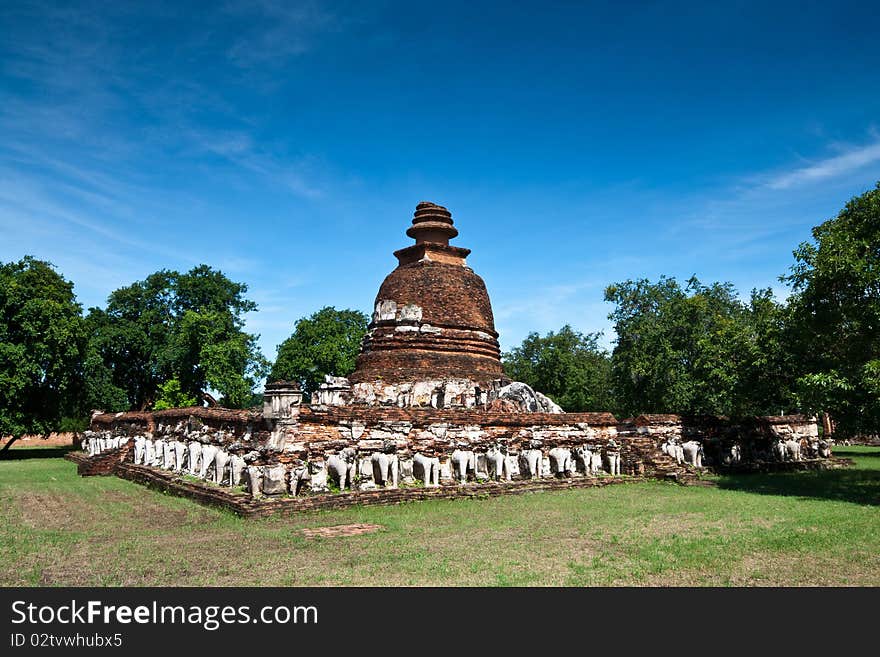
<point x="287" y="143"/>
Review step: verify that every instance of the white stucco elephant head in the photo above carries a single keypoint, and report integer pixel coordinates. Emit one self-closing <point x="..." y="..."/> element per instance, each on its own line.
<point x="237" y="466"/>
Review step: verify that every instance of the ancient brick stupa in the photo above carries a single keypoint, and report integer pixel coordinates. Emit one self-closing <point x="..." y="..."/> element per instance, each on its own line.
<point x="428" y="402"/>
<point x="432" y="340"/>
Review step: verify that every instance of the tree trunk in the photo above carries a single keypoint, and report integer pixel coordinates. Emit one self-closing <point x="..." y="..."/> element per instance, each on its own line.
<point x="827" y="425"/>
<point x="9" y="444"/>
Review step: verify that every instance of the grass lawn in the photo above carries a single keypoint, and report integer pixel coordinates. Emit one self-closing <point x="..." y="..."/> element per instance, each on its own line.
<point x="754" y="530"/>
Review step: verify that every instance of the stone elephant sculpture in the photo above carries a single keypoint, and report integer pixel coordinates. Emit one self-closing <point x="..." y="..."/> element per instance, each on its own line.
<point x="612" y="461"/>
<point x="343" y="467"/>
<point x="221" y="459"/>
<point x="561" y="464"/>
<point x="168" y="455"/>
<point x="299" y="476"/>
<point x="732" y="455"/>
<point x="158" y="453"/>
<point x="426" y="468"/>
<point x="497" y="464"/>
<point x="255" y="480"/>
<point x="317" y="472"/>
<point x="583" y="460"/>
<point x="779" y="451"/>
<point x="139" y="450"/>
<point x="793" y="450"/>
<point x="385" y="469"/>
<point x="209" y="452"/>
<point x="693" y="453"/>
<point x="195" y="457"/>
<point x="596" y="462"/>
<point x="673" y="449"/>
<point x="274" y="479"/>
<point x="237" y="466"/>
<point x="180" y="453"/>
<point x="464" y="462"/>
<point x="149" y="452"/>
<point x="532" y="462"/>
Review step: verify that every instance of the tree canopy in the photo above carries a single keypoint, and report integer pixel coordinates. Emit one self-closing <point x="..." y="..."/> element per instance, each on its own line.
<point x="171" y="326"/>
<point x="697" y="349"/>
<point x="836" y="316"/>
<point x="42" y="344"/>
<point x="327" y="342"/>
<point x="570" y="367"/>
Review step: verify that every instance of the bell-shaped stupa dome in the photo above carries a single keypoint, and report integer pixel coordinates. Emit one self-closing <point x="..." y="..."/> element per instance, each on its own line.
<point x="432" y="319"/>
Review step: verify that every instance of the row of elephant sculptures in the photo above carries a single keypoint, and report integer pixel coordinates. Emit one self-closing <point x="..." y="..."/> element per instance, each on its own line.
<point x="733" y="453"/>
<point x="95" y="443"/>
<point x="496" y="463"/>
<point x="348" y="468"/>
<point x="690" y="452"/>
<point x="797" y="450"/>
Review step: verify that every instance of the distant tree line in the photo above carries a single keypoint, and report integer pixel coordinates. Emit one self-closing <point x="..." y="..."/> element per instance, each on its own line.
<point x="695" y="348"/>
<point x="178" y="339"/>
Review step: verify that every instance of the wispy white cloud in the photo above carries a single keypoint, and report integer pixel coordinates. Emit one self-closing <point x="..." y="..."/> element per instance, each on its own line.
<point x="850" y="160"/>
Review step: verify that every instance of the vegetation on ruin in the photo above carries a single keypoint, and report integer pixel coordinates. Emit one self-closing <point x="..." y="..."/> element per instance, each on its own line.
<point x="757" y="530"/>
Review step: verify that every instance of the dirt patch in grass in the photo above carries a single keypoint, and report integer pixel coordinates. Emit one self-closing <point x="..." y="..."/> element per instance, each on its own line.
<point x="337" y="531"/>
<point x="57" y="511"/>
<point x="52" y="440"/>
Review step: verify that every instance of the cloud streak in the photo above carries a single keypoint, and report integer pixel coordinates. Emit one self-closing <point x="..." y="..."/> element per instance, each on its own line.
<point x="851" y="160"/>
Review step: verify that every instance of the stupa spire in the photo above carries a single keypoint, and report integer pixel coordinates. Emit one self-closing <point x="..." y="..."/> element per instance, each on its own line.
<point x="432" y="224"/>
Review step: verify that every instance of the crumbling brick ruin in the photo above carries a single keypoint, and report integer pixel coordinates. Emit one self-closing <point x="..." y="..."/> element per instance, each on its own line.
<point x="428" y="412"/>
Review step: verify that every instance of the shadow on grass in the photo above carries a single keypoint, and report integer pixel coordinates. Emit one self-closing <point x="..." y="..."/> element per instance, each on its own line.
<point x="860" y="485"/>
<point x="22" y="453"/>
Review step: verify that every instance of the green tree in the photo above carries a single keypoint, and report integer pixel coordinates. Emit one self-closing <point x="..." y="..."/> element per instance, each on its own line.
<point x="172" y="396"/>
<point x="697" y="349"/>
<point x="42" y="347"/>
<point x="569" y="367"/>
<point x="171" y="326"/>
<point x="328" y="342"/>
<point x="836" y="316"/>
